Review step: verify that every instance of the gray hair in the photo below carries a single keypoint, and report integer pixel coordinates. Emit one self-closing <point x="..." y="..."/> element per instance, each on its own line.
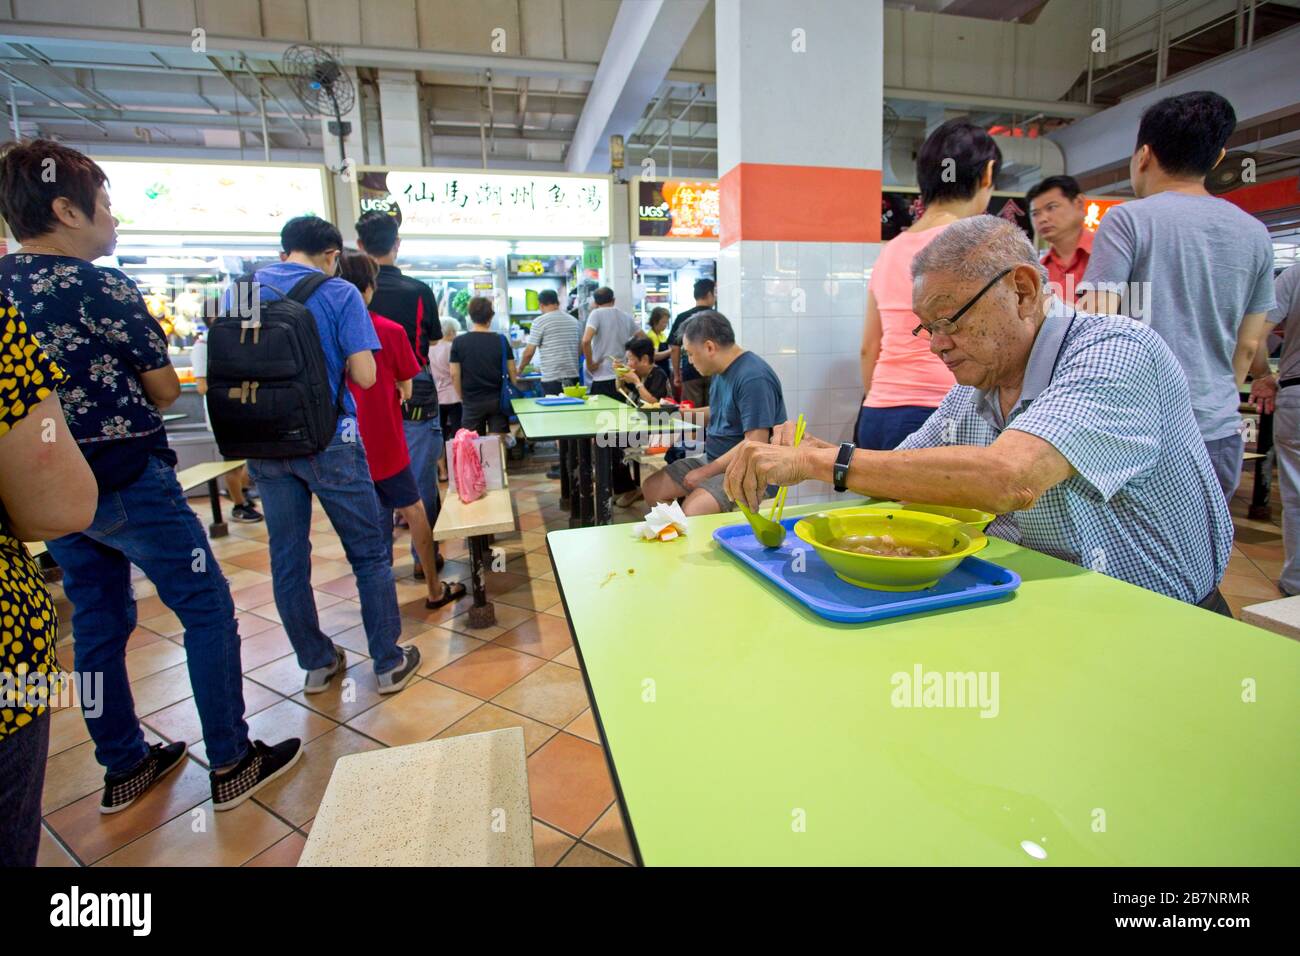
<point x="450" y="328"/>
<point x="709" y="326"/>
<point x="977" y="248"/>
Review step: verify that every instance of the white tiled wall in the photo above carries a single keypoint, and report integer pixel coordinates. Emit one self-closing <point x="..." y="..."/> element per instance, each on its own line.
<point x="800" y="305"/>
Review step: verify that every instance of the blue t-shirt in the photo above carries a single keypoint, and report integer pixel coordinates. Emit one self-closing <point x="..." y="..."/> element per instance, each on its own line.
<point x="94" y="325"/>
<point x="341" y="319"/>
<point x="744" y="397"/>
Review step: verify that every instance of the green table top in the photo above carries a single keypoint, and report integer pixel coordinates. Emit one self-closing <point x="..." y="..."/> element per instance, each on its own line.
<point x="584" y="423"/>
<point x="529" y="406"/>
<point x="745" y="730"/>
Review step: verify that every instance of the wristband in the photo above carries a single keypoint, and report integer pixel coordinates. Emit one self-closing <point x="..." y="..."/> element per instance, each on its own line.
<point x="840" y="472"/>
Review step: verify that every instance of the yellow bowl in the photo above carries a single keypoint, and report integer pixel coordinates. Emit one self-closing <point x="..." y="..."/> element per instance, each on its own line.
<point x="887" y="573"/>
<point x="575" y="391"/>
<point x="977" y="519"/>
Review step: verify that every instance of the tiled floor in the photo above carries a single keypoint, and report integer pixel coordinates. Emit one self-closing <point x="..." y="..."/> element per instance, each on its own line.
<point x="523" y="673"/>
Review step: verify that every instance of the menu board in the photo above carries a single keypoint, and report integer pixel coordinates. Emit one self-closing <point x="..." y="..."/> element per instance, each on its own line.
<point x="226" y="198"/>
<point x="489" y="205"/>
<point x="677" y="209"/>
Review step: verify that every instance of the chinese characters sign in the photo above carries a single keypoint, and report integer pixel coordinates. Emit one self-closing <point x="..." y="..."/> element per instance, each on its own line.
<point x="1095" y="210"/>
<point x="678" y="209"/>
<point x="454" y="203"/>
<point x="233" y="199"/>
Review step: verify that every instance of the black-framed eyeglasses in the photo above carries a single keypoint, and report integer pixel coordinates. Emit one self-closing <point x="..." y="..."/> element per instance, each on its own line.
<point x="948" y="326"/>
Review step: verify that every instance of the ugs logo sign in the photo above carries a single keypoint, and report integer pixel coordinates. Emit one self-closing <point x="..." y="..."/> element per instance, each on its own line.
<point x="75" y="909"/>
<point x="655" y="212"/>
<point x="376" y="205"/>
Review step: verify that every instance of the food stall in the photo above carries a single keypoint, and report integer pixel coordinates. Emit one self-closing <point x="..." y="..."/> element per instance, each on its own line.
<point x="185" y="229"/>
<point x="675" y="230"/>
<point x="508" y="236"/>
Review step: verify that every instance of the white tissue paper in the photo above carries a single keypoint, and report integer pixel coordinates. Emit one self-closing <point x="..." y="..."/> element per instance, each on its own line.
<point x="665" y="522"/>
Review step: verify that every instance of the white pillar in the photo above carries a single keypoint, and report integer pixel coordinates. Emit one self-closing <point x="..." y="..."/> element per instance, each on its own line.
<point x="399" y="107"/>
<point x="618" y="253"/>
<point x="800" y="90"/>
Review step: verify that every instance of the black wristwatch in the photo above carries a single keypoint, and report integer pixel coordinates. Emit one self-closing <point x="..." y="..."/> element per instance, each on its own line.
<point x="842" y="461"/>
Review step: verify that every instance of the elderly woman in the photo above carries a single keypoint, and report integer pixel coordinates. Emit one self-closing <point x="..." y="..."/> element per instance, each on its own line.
<point x="1077" y="429"/>
<point x="448" y="399"/>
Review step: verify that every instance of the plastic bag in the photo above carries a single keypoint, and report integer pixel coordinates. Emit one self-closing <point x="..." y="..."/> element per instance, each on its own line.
<point x="470" y="483"/>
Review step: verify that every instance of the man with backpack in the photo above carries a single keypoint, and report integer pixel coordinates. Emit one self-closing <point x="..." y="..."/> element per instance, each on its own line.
<point x="276" y="365"/>
<point x="411" y="304"/>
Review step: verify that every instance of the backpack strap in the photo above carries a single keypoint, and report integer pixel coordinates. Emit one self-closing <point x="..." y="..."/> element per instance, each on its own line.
<point x="306" y="287"/>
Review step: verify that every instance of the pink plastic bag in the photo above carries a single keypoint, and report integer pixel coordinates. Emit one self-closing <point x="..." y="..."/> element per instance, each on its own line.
<point x="470" y="484"/>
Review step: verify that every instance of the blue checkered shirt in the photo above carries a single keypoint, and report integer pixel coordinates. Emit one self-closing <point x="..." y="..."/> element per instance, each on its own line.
<point x="1107" y="393"/>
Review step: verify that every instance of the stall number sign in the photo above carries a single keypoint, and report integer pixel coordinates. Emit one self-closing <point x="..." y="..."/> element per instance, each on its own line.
<point x="678" y="209"/>
<point x="480" y="204"/>
<point x="212" y="197"/>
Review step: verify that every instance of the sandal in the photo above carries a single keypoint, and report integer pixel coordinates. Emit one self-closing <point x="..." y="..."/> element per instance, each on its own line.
<point x="450" y="592"/>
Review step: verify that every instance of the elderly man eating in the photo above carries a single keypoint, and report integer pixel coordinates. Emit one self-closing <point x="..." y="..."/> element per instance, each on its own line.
<point x="1075" y="428"/>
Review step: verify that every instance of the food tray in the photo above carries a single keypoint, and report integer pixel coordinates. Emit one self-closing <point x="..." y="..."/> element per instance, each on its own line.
<point x="560" y="400"/>
<point x="817" y="588"/>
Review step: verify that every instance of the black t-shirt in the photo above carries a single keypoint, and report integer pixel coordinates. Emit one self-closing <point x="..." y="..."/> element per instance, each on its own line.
<point x="411" y="304"/>
<point x="480" y="356"/>
<point x="656" y="383"/>
<point x="675" y="338"/>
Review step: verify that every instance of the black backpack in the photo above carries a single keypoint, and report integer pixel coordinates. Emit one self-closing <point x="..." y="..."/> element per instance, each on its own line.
<point x="268" y="384"/>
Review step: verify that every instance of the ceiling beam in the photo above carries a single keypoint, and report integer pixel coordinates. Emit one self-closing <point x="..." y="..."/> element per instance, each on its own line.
<point x="646" y="38"/>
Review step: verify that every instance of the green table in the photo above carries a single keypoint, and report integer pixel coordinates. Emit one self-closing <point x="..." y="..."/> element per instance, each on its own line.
<point x="744" y="730"/>
<point x="595" y="433"/>
<point x="529" y="406"/>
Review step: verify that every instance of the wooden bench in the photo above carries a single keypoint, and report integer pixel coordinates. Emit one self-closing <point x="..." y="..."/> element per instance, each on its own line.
<point x="461" y="801"/>
<point x="207" y="473"/>
<point x="1281" y="616"/>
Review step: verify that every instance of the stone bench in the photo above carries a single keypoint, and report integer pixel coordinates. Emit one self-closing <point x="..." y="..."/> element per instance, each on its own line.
<point x="461" y="801"/>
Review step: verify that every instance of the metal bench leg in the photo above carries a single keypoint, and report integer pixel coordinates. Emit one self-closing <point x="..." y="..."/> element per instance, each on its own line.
<point x="1260" y="505"/>
<point x="218" y="527"/>
<point x="588" y="516"/>
<point x="481" y="612"/>
<point x="566" y="479"/>
<point x="604" y="481"/>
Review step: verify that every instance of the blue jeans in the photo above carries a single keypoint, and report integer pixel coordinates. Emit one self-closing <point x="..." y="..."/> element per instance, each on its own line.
<point x="883" y="429"/>
<point x="340" y="478"/>
<point x="424" y="442"/>
<point x="22" y="776"/>
<point x="149" y="523"/>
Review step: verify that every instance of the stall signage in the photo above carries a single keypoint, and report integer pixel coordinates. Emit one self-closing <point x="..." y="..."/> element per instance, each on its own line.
<point x="215" y="198"/>
<point x="678" y="209"/>
<point x="455" y="203"/>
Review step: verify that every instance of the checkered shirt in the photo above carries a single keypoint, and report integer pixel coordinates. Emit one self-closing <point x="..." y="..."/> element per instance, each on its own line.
<point x="1145" y="506"/>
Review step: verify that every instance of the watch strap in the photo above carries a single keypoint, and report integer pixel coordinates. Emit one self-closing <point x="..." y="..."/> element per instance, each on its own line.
<point x="840" y="473"/>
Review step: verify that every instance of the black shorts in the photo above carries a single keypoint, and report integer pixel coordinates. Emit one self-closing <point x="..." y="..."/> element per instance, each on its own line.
<point x="398" y="490"/>
<point x="486" y="417"/>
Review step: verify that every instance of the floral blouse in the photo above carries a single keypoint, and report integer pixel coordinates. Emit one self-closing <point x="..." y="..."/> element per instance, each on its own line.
<point x="94" y="324"/>
<point x="30" y="625"/>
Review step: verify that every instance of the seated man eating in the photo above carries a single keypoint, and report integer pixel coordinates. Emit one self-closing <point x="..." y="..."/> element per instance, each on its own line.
<point x="745" y="404"/>
<point x="1077" y="429"/>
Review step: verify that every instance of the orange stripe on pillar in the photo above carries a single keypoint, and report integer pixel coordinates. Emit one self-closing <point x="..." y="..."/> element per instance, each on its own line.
<point x="770" y="202"/>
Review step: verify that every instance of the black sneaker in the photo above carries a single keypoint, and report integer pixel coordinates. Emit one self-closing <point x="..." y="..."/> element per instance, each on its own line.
<point x="390" y="682"/>
<point x="260" y="766"/>
<point x="245" y="512"/>
<point x="122" y="789"/>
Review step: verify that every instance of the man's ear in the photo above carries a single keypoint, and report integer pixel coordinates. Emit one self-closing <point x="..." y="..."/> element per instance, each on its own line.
<point x="1029" y="283"/>
<point x="986" y="181"/>
<point x="1222" y="152"/>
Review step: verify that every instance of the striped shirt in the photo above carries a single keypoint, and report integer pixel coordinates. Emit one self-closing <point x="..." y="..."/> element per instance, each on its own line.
<point x="1108" y="394"/>
<point x="558" y="338"/>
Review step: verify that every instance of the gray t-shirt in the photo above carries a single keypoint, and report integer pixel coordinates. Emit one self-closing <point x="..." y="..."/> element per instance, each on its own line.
<point x="1204" y="264"/>
<point x="613" y="328"/>
<point x="558" y="339"/>
<point x="1287" y="318"/>
<point x="747" y="395"/>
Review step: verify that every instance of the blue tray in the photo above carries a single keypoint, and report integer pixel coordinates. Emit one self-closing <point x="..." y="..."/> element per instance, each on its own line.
<point x="818" y="589"/>
<point x="560" y="400"/>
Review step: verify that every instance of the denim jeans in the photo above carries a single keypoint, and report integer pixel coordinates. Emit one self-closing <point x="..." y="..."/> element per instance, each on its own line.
<point x="1225" y="457"/>
<point x="149" y="524"/>
<point x="340" y="478"/>
<point x="22" y="775"/>
<point x="424" y="442"/>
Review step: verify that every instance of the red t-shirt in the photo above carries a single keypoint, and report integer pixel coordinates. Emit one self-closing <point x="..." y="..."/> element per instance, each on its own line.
<point x="379" y="407"/>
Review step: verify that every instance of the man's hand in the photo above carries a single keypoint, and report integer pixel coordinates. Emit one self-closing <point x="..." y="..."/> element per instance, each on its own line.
<point x="1263" y="392"/>
<point x="692" y="479"/>
<point x="755" y="465"/>
<point x="783" y="434"/>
